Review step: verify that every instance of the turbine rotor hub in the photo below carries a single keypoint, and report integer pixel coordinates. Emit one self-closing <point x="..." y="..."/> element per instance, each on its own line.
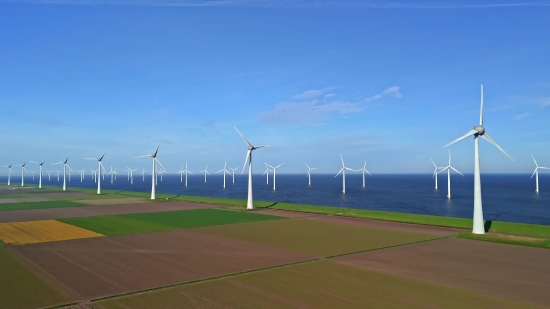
<point x="480" y="130"/>
<point x="251" y="148"/>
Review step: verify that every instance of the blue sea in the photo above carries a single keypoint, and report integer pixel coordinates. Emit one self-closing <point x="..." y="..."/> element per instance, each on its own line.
<point x="506" y="197"/>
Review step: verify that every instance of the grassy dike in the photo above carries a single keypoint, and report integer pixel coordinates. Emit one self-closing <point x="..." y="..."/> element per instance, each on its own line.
<point x="504" y="232"/>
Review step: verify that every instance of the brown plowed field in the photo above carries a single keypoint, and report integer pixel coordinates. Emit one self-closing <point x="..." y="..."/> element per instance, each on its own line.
<point x="115" y="201"/>
<point x="286" y="213"/>
<point x="24" y="200"/>
<point x="112" y="265"/>
<point x="90" y="211"/>
<point x="317" y="285"/>
<point x="507" y="271"/>
<point x="61" y="194"/>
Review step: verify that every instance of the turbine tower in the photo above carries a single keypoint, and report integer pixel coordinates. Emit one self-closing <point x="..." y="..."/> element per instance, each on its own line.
<point x="233" y="173"/>
<point x="309" y="169"/>
<point x="131" y="174"/>
<point x="266" y="173"/>
<point x="205" y="172"/>
<point x="225" y="171"/>
<point x="274" y="168"/>
<point x="343" y="171"/>
<point x="23" y="171"/>
<point x="536" y="173"/>
<point x="81" y="174"/>
<point x="40" y="173"/>
<point x="435" y="172"/>
<point x="154" y="173"/>
<point x="186" y="172"/>
<point x="476" y="132"/>
<point x="448" y="168"/>
<point x="65" y="165"/>
<point x="250" y="201"/>
<point x="49" y="173"/>
<point x="9" y="173"/>
<point x="364" y="170"/>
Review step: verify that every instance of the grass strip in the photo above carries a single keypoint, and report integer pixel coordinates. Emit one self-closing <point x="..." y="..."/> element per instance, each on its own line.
<point x="2" y="244"/>
<point x="541" y="243"/>
<point x="39" y="205"/>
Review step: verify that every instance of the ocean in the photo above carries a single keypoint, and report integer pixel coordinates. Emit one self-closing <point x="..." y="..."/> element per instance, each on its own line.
<point x="506" y="197"/>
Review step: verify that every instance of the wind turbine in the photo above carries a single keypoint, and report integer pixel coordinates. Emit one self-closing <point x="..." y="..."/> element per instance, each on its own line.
<point x="536" y="172"/>
<point x="9" y="173"/>
<point x="154" y="173"/>
<point x="343" y="171"/>
<point x="233" y="172"/>
<point x="205" y="172"/>
<point x="435" y="172"/>
<point x="57" y="174"/>
<point x="274" y="172"/>
<point x="266" y="173"/>
<point x="448" y="169"/>
<point x="49" y="173"/>
<point x="65" y="165"/>
<point x="82" y="174"/>
<point x="224" y="170"/>
<point x="143" y="173"/>
<point x="309" y="169"/>
<point x="186" y="172"/>
<point x="99" y="169"/>
<point x="40" y="173"/>
<point x="131" y="174"/>
<point x="249" y="202"/>
<point x="112" y="173"/>
<point x="476" y="132"/>
<point x="23" y="171"/>
<point x="364" y="170"/>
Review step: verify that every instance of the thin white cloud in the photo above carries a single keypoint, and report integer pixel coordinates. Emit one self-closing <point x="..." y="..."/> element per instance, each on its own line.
<point x="330" y="95"/>
<point x="393" y="91"/>
<point x="545" y="102"/>
<point x="521" y="116"/>
<point x="307" y="112"/>
<point x="372" y="4"/>
<point x="310" y="94"/>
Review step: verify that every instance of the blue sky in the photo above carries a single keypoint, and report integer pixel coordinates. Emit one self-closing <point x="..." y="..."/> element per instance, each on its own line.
<point x="389" y="82"/>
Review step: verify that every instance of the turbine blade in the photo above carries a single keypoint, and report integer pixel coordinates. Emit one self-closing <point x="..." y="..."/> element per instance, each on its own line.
<point x="145" y="156"/>
<point x="544" y="168"/>
<point x="265" y="146"/>
<point x="160" y="164"/>
<point x="339" y="172"/>
<point x="454" y="169"/>
<point x="156" y="151"/>
<point x="101" y="158"/>
<point x="242" y="136"/>
<point x="433" y="162"/>
<point x="481" y="109"/>
<point x="535" y="161"/>
<point x="534" y="173"/>
<point x="279" y="165"/>
<point x="245" y="159"/>
<point x="470" y="133"/>
<point x="490" y="140"/>
<point x="342" y="160"/>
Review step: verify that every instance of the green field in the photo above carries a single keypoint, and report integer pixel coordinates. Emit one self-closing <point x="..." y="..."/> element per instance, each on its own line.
<point x="39" y="205"/>
<point x="310" y="285"/>
<point x="21" y="288"/>
<point x="161" y="221"/>
<point x="313" y="237"/>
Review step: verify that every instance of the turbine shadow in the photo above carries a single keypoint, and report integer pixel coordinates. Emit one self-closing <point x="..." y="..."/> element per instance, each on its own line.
<point x="488" y="224"/>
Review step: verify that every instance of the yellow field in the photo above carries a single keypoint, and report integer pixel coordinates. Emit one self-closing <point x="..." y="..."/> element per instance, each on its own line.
<point x="31" y="232"/>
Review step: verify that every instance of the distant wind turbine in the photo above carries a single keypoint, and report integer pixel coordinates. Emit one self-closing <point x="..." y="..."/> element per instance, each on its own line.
<point x="437" y="168"/>
<point x="58" y="172"/>
<point x="274" y="173"/>
<point x="309" y="169"/>
<point x="154" y="173"/>
<point x="49" y="173"/>
<point x="100" y="168"/>
<point x="266" y="173"/>
<point x="40" y="173"/>
<point x="343" y="171"/>
<point x="143" y="173"/>
<point x="476" y="132"/>
<point x="225" y="171"/>
<point x="205" y="172"/>
<point x="536" y="173"/>
<point x="250" y="201"/>
<point x="233" y="173"/>
<point x="65" y="166"/>
<point x="364" y="170"/>
<point x="131" y="174"/>
<point x="186" y="172"/>
<point x="81" y="174"/>
<point x="9" y="173"/>
<point x="23" y="171"/>
<point x="448" y="168"/>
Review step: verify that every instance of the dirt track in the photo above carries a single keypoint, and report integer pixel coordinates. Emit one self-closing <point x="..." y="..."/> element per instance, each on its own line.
<point x="88" y="211"/>
<point x="111" y="265"/>
<point x="507" y="271"/>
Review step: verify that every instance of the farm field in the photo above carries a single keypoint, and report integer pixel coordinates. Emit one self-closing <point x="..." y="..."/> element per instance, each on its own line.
<point x="22" y="288"/>
<point x="21" y="233"/>
<point x="38" y="205"/>
<point x="313" y="237"/>
<point x="160" y="221"/>
<point x="113" y="201"/>
<point x="311" y="285"/>
<point x="104" y="266"/>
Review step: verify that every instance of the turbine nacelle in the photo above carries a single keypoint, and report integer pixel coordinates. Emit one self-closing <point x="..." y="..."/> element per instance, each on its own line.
<point x="480" y="130"/>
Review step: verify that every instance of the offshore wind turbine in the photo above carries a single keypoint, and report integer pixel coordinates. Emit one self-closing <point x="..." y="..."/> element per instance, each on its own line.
<point x="476" y="132"/>
<point x="343" y="171"/>
<point x="186" y="172"/>
<point x="448" y="169"/>
<point x="99" y="169"/>
<point x="49" y="173"/>
<point x="40" y="173"/>
<point x="205" y="172"/>
<point x="23" y="171"/>
<point x="153" y="177"/>
<point x="57" y="174"/>
<point x="437" y="168"/>
<point x="364" y="170"/>
<point x="274" y="173"/>
<point x="536" y="173"/>
<point x="81" y="174"/>
<point x="33" y="172"/>
<point x="131" y="175"/>
<point x="224" y="170"/>
<point x="309" y="169"/>
<point x="65" y="165"/>
<point x="250" y="201"/>
<point x="266" y="173"/>
<point x="143" y="173"/>
<point x="233" y="172"/>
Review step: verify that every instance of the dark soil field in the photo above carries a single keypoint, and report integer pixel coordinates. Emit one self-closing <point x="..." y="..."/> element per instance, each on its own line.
<point x="21" y="287"/>
<point x="323" y="285"/>
<point x="314" y="237"/>
<point x="38" y="205"/>
<point x="89" y="211"/>
<point x="111" y="265"/>
<point x="507" y="271"/>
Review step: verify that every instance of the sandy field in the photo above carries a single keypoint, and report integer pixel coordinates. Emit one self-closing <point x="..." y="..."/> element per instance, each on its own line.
<point x="111" y="265"/>
<point x="508" y="271"/>
<point x="32" y="232"/>
<point x="115" y="201"/>
<point x="24" y="200"/>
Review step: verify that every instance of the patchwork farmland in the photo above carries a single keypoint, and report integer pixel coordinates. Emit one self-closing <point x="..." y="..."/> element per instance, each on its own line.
<point x="80" y="250"/>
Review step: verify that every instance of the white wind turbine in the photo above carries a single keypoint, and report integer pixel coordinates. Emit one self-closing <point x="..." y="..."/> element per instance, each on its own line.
<point x="343" y="171"/>
<point x="99" y="169"/>
<point x="81" y="174"/>
<point x="58" y="172"/>
<point x="40" y="173"/>
<point x="23" y="171"/>
<point x="225" y="171"/>
<point x="266" y="173"/>
<point x="233" y="173"/>
<point x="476" y="132"/>
<point x="435" y="172"/>
<point x="49" y="173"/>
<point x="9" y="173"/>
<point x="143" y="173"/>
<point x="154" y="173"/>
<point x="33" y="172"/>
<point x="186" y="172"/>
<point x="112" y="173"/>
<point x="448" y="169"/>
<point x="131" y="174"/>
<point x="536" y="172"/>
<point x="250" y="201"/>
<point x="274" y="173"/>
<point x="364" y="170"/>
<point x="65" y="166"/>
<point x="205" y="172"/>
<point x="309" y="169"/>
